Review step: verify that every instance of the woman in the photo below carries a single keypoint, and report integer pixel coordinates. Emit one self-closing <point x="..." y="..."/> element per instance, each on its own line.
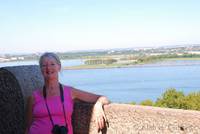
<point x="50" y="109"/>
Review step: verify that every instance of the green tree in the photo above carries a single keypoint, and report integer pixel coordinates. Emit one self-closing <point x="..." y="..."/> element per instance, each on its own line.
<point x="193" y="101"/>
<point x="171" y="99"/>
<point x="133" y="103"/>
<point x="175" y="99"/>
<point x="147" y="103"/>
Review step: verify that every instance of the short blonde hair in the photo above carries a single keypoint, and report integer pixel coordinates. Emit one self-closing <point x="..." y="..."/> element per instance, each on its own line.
<point x="49" y="55"/>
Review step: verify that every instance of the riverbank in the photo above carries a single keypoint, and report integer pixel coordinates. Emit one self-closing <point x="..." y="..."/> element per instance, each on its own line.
<point x="153" y="63"/>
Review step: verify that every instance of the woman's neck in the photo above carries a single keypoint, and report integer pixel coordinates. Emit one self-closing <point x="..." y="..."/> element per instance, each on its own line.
<point x="52" y="88"/>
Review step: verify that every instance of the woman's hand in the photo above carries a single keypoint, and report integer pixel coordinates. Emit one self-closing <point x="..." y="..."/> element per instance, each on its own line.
<point x="99" y="115"/>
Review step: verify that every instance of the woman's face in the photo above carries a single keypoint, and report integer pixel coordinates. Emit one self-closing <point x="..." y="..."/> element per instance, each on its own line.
<point x="50" y="68"/>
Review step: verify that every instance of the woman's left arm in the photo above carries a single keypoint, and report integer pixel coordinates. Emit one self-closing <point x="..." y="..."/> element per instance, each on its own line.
<point x="99" y="101"/>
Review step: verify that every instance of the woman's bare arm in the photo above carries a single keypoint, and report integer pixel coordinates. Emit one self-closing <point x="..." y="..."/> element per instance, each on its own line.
<point x="88" y="97"/>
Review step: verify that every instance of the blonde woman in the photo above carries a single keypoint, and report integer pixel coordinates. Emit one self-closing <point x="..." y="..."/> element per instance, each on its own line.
<point x="50" y="109"/>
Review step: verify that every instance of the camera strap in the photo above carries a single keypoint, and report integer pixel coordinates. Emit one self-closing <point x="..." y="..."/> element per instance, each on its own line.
<point x="62" y="100"/>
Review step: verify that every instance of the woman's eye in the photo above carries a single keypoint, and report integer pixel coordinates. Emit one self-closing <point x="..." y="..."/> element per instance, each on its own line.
<point x="43" y="65"/>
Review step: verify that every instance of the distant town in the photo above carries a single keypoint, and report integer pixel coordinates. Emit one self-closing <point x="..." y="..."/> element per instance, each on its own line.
<point x="143" y="51"/>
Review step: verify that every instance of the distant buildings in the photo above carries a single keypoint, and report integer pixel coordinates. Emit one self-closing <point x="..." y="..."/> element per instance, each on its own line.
<point x="7" y="59"/>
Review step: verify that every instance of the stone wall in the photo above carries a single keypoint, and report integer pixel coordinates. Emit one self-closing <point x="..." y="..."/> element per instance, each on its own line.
<point x="16" y="83"/>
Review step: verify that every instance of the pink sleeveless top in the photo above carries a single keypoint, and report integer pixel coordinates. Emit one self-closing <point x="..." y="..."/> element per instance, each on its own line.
<point x="41" y="123"/>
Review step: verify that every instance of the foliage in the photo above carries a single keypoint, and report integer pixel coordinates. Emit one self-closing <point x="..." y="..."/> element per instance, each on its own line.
<point x="100" y="61"/>
<point x="146" y="59"/>
<point x="172" y="98"/>
<point x="193" y="101"/>
<point x="147" y="103"/>
<point x="132" y="103"/>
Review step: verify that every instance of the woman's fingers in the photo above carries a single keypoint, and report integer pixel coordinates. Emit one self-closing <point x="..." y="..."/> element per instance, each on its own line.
<point x="100" y="117"/>
<point x="100" y="122"/>
<point x="104" y="116"/>
<point x="97" y="124"/>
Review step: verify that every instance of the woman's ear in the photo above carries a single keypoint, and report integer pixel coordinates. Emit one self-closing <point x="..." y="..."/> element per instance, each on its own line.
<point x="59" y="67"/>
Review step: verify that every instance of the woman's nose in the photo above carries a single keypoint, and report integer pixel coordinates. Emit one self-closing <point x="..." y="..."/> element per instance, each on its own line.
<point x="48" y="66"/>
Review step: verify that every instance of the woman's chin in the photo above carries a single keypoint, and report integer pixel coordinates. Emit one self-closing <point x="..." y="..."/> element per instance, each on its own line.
<point x="50" y="78"/>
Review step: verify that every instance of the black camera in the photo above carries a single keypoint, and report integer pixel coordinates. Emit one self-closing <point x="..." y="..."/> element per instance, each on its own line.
<point x="59" y="129"/>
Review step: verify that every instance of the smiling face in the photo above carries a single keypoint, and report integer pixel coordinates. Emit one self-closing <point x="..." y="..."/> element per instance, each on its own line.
<point x="50" y="68"/>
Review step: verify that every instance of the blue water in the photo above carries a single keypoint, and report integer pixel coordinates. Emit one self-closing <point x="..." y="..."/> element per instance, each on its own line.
<point x="132" y="84"/>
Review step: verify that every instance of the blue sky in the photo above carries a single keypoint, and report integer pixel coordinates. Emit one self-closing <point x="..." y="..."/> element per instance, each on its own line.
<point x="66" y="25"/>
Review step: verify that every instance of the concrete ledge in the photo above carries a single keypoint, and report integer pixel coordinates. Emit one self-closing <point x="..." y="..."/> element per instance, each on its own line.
<point x="135" y="119"/>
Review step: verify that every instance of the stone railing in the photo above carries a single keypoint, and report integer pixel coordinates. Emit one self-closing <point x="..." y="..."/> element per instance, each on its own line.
<point x="16" y="83"/>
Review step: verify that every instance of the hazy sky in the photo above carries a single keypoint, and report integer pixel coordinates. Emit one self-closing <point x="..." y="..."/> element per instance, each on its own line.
<point x="65" y="25"/>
